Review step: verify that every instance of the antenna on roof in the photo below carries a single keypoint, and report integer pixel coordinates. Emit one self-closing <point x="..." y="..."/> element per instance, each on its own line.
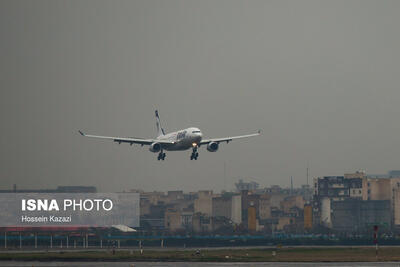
<point x="291" y="185"/>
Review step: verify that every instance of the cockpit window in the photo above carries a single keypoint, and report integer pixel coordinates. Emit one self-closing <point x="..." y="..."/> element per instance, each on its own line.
<point x="196" y="132"/>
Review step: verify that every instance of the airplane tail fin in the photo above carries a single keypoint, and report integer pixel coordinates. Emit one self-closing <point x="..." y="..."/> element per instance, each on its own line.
<point x="160" y="130"/>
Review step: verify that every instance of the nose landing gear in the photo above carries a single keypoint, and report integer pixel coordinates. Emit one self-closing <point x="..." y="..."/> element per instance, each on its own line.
<point x="195" y="154"/>
<point x="161" y="156"/>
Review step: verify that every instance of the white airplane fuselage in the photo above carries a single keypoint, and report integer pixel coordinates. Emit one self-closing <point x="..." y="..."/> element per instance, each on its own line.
<point x="184" y="139"/>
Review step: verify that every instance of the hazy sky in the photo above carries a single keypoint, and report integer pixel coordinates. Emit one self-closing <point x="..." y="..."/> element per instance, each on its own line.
<point x="320" y="78"/>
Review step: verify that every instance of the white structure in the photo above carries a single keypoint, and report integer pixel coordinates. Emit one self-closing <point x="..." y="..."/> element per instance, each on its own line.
<point x="236" y="215"/>
<point x="326" y="212"/>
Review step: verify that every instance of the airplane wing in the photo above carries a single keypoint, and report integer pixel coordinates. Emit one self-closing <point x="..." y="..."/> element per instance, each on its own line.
<point x="228" y="139"/>
<point x="130" y="140"/>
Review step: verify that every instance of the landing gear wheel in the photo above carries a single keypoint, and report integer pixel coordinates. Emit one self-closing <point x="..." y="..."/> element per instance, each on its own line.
<point x="161" y="156"/>
<point x="194" y="156"/>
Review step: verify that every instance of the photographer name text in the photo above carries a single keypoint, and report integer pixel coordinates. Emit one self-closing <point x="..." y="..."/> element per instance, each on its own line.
<point x="46" y="219"/>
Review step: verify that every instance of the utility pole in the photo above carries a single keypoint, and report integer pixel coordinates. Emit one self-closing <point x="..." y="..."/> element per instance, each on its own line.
<point x="307" y="195"/>
<point x="225" y="176"/>
<point x="291" y="185"/>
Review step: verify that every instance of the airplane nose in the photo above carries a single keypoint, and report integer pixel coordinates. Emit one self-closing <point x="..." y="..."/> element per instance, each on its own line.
<point x="198" y="136"/>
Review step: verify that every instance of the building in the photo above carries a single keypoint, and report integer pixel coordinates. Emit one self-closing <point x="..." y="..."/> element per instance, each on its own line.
<point x="333" y="188"/>
<point x="174" y="195"/>
<point x="276" y="199"/>
<point x="292" y="201"/>
<point x="236" y="214"/>
<point x="250" y="186"/>
<point x="264" y="207"/>
<point x="201" y="224"/>
<point x="228" y="206"/>
<point x="357" y="174"/>
<point x="222" y="206"/>
<point x="283" y="221"/>
<point x="251" y="218"/>
<point x="187" y="220"/>
<point x="203" y="204"/>
<point x="396" y="208"/>
<point x="355" y="215"/>
<point x="337" y="187"/>
<point x="379" y="188"/>
<point x="249" y="200"/>
<point x="343" y="192"/>
<point x="307" y="217"/>
<point x="389" y="174"/>
<point x="173" y="220"/>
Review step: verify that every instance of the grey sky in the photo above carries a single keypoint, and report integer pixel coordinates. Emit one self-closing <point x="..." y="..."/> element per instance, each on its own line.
<point x="321" y="78"/>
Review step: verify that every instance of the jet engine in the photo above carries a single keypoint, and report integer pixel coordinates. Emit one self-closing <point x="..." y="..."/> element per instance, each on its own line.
<point x="155" y="147"/>
<point x="212" y="147"/>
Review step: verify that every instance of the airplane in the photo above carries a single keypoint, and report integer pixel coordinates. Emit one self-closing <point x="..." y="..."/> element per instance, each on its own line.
<point x="189" y="138"/>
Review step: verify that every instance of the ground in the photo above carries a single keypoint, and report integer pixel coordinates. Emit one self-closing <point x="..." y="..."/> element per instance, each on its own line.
<point x="301" y="254"/>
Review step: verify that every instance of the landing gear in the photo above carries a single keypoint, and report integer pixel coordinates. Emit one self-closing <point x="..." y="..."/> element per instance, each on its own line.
<point x="195" y="154"/>
<point x="161" y="156"/>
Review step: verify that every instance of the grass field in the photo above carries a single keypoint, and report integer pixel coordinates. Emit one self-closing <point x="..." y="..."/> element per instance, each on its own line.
<point x="223" y="255"/>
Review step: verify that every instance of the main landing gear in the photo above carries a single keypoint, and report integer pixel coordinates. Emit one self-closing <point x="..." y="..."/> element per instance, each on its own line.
<point x="161" y="156"/>
<point x="195" y="154"/>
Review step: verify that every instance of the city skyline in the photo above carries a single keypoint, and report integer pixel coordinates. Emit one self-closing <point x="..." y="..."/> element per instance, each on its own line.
<point x="253" y="183"/>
